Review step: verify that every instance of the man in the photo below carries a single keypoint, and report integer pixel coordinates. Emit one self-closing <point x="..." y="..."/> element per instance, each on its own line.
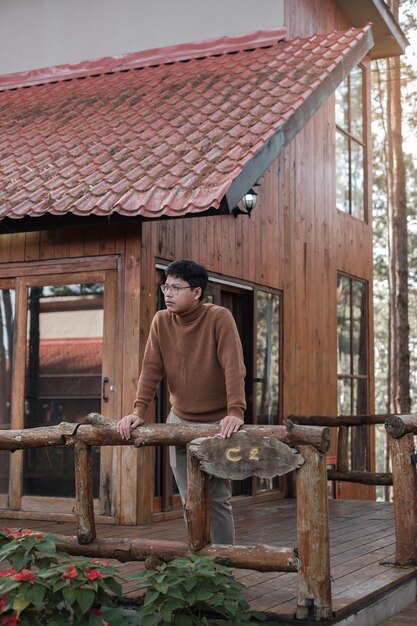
<point x="197" y="346"/>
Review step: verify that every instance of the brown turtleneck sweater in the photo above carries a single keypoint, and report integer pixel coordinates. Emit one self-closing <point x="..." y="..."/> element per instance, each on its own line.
<point x="201" y="354"/>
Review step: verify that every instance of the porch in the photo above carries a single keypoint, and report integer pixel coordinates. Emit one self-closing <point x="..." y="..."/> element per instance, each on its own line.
<point x="366" y="588"/>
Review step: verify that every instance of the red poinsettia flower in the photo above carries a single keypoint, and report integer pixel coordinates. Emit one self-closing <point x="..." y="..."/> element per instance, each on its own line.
<point x="23" y="575"/>
<point x="71" y="572"/>
<point x="92" y="574"/>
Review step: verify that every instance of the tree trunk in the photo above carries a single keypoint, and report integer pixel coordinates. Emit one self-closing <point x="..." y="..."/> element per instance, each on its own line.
<point x="398" y="252"/>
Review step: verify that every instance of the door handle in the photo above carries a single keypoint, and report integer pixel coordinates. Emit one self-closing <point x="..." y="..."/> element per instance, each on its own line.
<point x="104" y="384"/>
<point x="104" y="395"/>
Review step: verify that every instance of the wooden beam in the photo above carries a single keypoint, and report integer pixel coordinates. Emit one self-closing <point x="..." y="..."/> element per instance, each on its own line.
<point x="100" y="431"/>
<point x="399" y="425"/>
<point x="364" y="478"/>
<point x="84" y="505"/>
<point x="314" y="590"/>
<point x="196" y="507"/>
<point x="339" y="420"/>
<point x="260" y="557"/>
<point x="404" y="480"/>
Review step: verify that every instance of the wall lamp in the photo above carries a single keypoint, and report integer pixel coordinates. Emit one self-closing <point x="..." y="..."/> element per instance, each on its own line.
<point x="249" y="200"/>
<point x="247" y="203"/>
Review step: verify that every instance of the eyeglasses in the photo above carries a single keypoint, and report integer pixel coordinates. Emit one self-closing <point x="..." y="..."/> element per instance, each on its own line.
<point x="174" y="288"/>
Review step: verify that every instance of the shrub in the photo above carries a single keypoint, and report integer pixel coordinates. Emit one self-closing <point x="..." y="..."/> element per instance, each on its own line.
<point x="43" y="587"/>
<point x="188" y="592"/>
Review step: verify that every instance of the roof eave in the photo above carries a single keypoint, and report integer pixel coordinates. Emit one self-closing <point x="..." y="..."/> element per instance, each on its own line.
<point x="389" y="39"/>
<point x="71" y="220"/>
<point x="260" y="162"/>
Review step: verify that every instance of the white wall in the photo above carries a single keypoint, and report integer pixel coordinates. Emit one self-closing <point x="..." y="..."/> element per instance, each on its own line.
<point x="42" y="33"/>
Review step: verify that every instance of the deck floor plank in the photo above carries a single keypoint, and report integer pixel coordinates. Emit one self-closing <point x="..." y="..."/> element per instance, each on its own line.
<point x="362" y="547"/>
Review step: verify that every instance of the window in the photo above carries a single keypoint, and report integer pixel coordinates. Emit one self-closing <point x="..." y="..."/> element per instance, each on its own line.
<point x="350" y="145"/>
<point x="63" y="378"/>
<point x="352" y="362"/>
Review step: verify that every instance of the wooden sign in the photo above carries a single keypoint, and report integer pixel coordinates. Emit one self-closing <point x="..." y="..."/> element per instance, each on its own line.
<point x="244" y="454"/>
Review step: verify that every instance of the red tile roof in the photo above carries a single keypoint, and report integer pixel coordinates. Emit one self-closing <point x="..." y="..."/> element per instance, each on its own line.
<point x="70" y="367"/>
<point x="166" y="132"/>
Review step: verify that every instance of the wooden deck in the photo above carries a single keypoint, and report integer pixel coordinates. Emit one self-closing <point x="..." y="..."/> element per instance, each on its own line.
<point x="361" y="549"/>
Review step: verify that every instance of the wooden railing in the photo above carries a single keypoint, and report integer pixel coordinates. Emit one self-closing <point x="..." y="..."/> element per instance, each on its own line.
<point x="401" y="430"/>
<point x="343" y="423"/>
<point x="312" y="557"/>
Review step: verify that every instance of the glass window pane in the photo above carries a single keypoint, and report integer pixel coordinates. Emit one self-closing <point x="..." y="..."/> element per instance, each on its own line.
<point x="357" y="180"/>
<point x="344" y="396"/>
<point x="356" y="102"/>
<point x="342" y="172"/>
<point x="344" y="365"/>
<point x="342" y="105"/>
<point x="359" y="328"/>
<point x="350" y="161"/>
<point x="7" y="317"/>
<point x="63" y="377"/>
<point x="267" y="389"/>
<point x="267" y="364"/>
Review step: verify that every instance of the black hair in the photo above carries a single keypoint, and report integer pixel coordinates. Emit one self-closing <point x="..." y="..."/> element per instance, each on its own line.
<point x="193" y="273"/>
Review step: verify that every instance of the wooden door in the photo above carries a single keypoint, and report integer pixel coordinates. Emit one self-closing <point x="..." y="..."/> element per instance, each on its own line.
<point x="63" y="365"/>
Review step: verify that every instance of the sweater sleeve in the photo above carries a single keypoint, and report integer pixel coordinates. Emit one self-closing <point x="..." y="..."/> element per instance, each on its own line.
<point x="151" y="373"/>
<point x="230" y="356"/>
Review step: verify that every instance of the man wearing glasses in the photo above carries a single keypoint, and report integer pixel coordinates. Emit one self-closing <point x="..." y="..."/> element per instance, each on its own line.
<point x="197" y="346"/>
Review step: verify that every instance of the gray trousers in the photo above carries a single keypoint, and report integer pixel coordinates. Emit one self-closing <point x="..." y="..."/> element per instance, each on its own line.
<point x="222" y="526"/>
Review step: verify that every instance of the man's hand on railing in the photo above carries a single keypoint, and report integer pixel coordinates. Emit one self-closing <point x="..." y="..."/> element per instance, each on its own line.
<point x="229" y="425"/>
<point x="127" y="424"/>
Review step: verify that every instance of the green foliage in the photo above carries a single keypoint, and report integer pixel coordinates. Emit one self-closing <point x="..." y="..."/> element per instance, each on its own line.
<point x="43" y="587"/>
<point x="26" y="547"/>
<point x="186" y="592"/>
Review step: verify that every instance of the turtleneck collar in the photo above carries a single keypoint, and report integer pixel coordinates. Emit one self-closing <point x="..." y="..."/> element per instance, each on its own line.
<point x="189" y="316"/>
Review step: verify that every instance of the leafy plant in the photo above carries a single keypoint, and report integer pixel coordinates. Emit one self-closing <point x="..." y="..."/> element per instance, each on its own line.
<point x="43" y="587"/>
<point x="185" y="592"/>
<point x="24" y="548"/>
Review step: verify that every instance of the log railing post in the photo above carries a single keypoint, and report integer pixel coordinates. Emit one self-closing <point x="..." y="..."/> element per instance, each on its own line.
<point x="404" y="480"/>
<point x="84" y="504"/>
<point x="314" y="588"/>
<point x="196" y="507"/>
<point x="342" y="464"/>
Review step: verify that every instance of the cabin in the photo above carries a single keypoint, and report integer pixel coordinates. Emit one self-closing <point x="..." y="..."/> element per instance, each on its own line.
<point x="235" y="135"/>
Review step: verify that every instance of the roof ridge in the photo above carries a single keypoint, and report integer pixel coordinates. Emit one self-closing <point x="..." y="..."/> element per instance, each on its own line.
<point x="144" y="58"/>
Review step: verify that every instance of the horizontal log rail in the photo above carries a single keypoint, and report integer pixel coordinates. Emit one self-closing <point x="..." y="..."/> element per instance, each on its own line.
<point x="339" y="420"/>
<point x="260" y="557"/>
<point x="363" y="478"/>
<point x="342" y="473"/>
<point x="101" y="431"/>
<point x="312" y="558"/>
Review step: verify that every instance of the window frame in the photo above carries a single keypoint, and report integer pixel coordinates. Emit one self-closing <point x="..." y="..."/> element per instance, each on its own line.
<point x="360" y="439"/>
<point x="352" y="138"/>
